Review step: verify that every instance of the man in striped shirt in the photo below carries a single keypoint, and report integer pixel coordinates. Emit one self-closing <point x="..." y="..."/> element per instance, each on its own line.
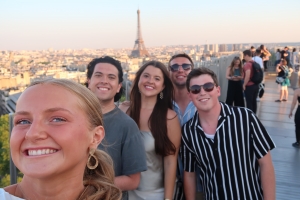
<point x="228" y="144"/>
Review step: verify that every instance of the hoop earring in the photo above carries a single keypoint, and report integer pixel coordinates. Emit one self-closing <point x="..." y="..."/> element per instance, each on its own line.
<point x="88" y="164"/>
<point x="161" y="95"/>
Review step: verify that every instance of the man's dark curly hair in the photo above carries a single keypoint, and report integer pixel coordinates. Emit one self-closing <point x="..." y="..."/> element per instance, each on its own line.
<point x="110" y="60"/>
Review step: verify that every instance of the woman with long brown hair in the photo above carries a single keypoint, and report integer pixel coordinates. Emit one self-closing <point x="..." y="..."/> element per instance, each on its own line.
<point x="151" y="108"/>
<point x="235" y="75"/>
<point x="57" y="128"/>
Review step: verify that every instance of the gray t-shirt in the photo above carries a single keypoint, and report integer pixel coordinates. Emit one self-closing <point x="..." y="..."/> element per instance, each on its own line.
<point x="123" y="142"/>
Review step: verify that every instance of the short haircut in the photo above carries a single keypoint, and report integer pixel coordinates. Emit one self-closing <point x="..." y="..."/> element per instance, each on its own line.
<point x="181" y="55"/>
<point x="109" y="60"/>
<point x="258" y="52"/>
<point x="247" y="53"/>
<point x="252" y="47"/>
<point x="198" y="72"/>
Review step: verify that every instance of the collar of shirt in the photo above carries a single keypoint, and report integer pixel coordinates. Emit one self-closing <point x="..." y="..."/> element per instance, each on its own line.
<point x="225" y="111"/>
<point x="188" y="113"/>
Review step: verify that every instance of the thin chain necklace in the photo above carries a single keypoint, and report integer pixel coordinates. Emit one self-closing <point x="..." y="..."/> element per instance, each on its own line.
<point x="24" y="196"/>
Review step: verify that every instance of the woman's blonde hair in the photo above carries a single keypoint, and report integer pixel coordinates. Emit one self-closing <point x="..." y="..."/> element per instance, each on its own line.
<point x="99" y="181"/>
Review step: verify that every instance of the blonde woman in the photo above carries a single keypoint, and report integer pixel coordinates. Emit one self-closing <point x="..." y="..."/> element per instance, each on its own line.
<point x="57" y="128"/>
<point x="235" y="75"/>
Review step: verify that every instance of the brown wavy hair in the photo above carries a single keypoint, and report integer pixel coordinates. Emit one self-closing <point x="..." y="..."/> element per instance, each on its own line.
<point x="232" y="66"/>
<point x="100" y="181"/>
<point x="158" y="118"/>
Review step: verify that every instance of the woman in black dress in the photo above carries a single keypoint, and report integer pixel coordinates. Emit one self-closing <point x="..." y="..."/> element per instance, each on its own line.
<point x="235" y="75"/>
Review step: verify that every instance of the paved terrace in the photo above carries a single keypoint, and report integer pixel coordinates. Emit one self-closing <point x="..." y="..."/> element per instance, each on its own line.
<point x="286" y="158"/>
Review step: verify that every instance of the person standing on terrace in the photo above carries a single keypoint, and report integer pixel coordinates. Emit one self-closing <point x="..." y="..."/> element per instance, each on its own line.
<point x="151" y="108"/>
<point x="250" y="88"/>
<point x="296" y="100"/>
<point x="123" y="139"/>
<point x="235" y="75"/>
<point x="180" y="65"/>
<point x="228" y="144"/>
<point x="295" y="60"/>
<point x="265" y="54"/>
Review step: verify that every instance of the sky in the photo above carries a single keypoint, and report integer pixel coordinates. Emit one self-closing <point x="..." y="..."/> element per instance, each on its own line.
<point x="96" y="24"/>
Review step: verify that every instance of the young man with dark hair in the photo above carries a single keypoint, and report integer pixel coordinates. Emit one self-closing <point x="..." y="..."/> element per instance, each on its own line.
<point x="259" y="60"/>
<point x="122" y="135"/>
<point x="288" y="57"/>
<point x="228" y="144"/>
<point x="180" y="66"/>
<point x="250" y="88"/>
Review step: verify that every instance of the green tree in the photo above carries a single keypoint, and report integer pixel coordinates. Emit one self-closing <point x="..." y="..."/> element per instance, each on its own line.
<point x="4" y="150"/>
<point x="5" y="153"/>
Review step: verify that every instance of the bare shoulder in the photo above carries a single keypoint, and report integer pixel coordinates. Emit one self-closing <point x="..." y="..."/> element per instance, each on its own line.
<point x="11" y="189"/>
<point x="171" y="114"/>
<point x="124" y="106"/>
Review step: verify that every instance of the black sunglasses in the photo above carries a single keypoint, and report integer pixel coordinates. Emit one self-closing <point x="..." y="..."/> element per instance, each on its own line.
<point x="207" y="87"/>
<point x="175" y="67"/>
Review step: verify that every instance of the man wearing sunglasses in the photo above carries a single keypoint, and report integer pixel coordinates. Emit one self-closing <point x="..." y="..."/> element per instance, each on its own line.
<point x="228" y="144"/>
<point x="180" y="65"/>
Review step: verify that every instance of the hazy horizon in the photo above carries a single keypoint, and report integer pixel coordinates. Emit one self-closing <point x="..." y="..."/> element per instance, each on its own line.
<point x="40" y="25"/>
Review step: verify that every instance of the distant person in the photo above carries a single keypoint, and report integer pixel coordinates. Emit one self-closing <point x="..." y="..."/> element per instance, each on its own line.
<point x="57" y="128"/>
<point x="123" y="138"/>
<point x="257" y="58"/>
<point x="229" y="145"/>
<point x="288" y="56"/>
<point x="151" y="108"/>
<point x="283" y="71"/>
<point x="250" y="88"/>
<point x="295" y="60"/>
<point x="180" y="65"/>
<point x="277" y="57"/>
<point x="252" y="49"/>
<point x="235" y="75"/>
<point x="296" y="98"/>
<point x="265" y="54"/>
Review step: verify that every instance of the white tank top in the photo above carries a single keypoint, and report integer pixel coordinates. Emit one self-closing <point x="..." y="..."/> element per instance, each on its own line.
<point x="6" y="196"/>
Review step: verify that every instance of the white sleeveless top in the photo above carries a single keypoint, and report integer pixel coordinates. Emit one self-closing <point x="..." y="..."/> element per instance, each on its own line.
<point x="6" y="196"/>
<point x="151" y="185"/>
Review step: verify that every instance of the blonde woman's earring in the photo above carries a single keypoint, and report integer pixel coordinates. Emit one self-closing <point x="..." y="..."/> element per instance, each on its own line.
<point x="92" y="164"/>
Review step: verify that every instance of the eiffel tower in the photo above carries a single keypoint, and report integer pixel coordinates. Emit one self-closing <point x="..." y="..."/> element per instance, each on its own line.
<point x="139" y="49"/>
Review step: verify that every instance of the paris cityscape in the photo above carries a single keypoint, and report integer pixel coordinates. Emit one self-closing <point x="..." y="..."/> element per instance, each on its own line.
<point x="18" y="68"/>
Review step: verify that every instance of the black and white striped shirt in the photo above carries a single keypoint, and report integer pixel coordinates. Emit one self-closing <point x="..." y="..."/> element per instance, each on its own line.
<point x="229" y="167"/>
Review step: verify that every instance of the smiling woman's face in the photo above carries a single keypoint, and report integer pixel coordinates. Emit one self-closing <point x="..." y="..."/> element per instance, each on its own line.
<point x="51" y="132"/>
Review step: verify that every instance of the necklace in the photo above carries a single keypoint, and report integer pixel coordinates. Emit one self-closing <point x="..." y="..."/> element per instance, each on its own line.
<point x="24" y="196"/>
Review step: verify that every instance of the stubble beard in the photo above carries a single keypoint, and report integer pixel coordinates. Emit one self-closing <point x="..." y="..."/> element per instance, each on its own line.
<point x="180" y="86"/>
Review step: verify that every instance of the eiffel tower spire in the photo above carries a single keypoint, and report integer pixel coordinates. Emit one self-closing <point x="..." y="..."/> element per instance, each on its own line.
<point x="139" y="49"/>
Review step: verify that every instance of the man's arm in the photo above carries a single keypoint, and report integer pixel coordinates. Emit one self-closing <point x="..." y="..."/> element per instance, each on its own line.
<point x="189" y="185"/>
<point x="247" y="78"/>
<point x="267" y="176"/>
<point x="130" y="182"/>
